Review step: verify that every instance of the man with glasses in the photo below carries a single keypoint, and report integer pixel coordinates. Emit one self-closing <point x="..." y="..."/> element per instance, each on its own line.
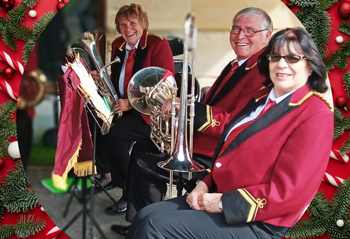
<point x="249" y="35"/>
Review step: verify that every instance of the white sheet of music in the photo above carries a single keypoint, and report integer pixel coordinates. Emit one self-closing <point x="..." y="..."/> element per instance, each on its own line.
<point x="88" y="85"/>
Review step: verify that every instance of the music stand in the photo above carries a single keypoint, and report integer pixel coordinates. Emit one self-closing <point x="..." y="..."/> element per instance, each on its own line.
<point x="84" y="200"/>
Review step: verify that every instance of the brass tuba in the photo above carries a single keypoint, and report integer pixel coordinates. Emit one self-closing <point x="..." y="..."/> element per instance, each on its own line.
<point x="147" y="90"/>
<point x="89" y="43"/>
<point x="181" y="156"/>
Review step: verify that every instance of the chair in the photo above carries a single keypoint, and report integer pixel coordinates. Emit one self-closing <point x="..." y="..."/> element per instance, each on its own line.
<point x="181" y="180"/>
<point x="178" y="78"/>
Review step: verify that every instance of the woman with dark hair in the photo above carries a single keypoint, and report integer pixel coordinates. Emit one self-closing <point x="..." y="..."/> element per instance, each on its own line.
<point x="300" y="40"/>
<point x="269" y="161"/>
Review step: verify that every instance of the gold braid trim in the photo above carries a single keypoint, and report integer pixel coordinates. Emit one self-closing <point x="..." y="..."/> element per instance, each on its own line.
<point x="209" y="119"/>
<point x="254" y="204"/>
<point x="122" y="45"/>
<point x="248" y="68"/>
<point x="302" y="100"/>
<point x="146" y="38"/>
<point x="80" y="169"/>
<point x="310" y="94"/>
<point x="261" y="97"/>
<point x="324" y="99"/>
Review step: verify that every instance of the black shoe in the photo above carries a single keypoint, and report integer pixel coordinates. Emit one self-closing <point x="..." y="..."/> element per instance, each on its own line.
<point x="115" y="209"/>
<point x="120" y="230"/>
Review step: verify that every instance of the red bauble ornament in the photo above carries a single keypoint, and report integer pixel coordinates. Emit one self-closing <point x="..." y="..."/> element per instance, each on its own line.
<point x="342" y="103"/>
<point x="7" y="72"/>
<point x="344" y="10"/>
<point x="7" y="4"/>
<point x="2" y="163"/>
<point x="60" y="5"/>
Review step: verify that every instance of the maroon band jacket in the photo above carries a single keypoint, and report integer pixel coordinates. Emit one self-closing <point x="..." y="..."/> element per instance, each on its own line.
<point x="211" y="115"/>
<point x="152" y="50"/>
<point x="272" y="169"/>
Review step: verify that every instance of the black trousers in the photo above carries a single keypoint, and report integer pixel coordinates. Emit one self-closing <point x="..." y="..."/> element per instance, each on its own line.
<point x="112" y="151"/>
<point x="25" y="135"/>
<point x="174" y="219"/>
<point x="147" y="182"/>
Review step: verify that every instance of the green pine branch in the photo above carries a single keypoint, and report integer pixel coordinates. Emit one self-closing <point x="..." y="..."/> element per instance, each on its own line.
<point x="345" y="147"/>
<point x="305" y="3"/>
<point x="323" y="216"/>
<point x="17" y="176"/>
<point x="7" y="126"/>
<point x="2" y="212"/>
<point x="341" y="124"/>
<point x="36" y="31"/>
<point x="317" y="23"/>
<point x="21" y="32"/>
<point x="319" y="207"/>
<point x="338" y="116"/>
<point x="16" y="194"/>
<point x="6" y="231"/>
<point x="346" y="80"/>
<point x="12" y="29"/>
<point x="341" y="201"/>
<point x="337" y="132"/>
<point x="17" y="14"/>
<point x="30" y="3"/>
<point x="27" y="49"/>
<point x="8" y="39"/>
<point x="24" y="228"/>
<point x="29" y="227"/>
<point x="40" y="25"/>
<point x="339" y="58"/>
<point x="344" y="27"/>
<point x="306" y="229"/>
<point x="2" y="24"/>
<point x="325" y="4"/>
<point x="19" y="201"/>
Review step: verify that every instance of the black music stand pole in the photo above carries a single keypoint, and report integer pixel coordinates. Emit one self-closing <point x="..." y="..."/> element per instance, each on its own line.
<point x="179" y="185"/>
<point x="86" y="212"/>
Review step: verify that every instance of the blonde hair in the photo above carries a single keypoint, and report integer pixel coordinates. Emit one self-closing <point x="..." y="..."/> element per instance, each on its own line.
<point x="132" y="10"/>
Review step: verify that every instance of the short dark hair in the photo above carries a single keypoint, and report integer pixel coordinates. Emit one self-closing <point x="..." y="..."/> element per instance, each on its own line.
<point x="303" y="43"/>
<point x="131" y="11"/>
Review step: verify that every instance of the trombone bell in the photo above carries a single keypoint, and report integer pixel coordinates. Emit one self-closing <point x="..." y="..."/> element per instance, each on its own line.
<point x="180" y="159"/>
<point x="181" y="162"/>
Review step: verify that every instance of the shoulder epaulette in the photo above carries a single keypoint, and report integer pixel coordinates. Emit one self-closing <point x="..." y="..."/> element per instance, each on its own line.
<point x="308" y="95"/>
<point x="324" y="99"/>
<point x="151" y="34"/>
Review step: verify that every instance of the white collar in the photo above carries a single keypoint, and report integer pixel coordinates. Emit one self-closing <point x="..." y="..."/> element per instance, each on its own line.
<point x="272" y="96"/>
<point x="240" y="62"/>
<point x="128" y="47"/>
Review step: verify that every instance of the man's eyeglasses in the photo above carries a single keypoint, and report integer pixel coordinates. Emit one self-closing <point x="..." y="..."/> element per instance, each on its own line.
<point x="249" y="32"/>
<point x="288" y="58"/>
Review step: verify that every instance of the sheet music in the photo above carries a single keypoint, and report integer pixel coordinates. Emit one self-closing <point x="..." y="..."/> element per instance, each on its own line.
<point x="90" y="91"/>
